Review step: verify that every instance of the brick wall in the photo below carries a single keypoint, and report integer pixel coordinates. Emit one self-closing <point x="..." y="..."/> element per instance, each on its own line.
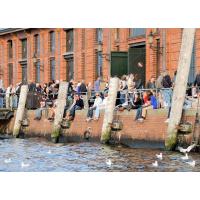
<point x="85" y="48"/>
<point x="153" y="129"/>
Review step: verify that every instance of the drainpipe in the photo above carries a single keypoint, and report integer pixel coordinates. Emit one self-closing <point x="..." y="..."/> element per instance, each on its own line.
<point x="109" y="52"/>
<point x="164" y="49"/>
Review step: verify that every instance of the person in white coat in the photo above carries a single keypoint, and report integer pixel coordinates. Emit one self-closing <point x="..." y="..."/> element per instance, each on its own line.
<point x="97" y="102"/>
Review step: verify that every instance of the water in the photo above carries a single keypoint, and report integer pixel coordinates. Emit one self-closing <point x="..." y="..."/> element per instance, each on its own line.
<point x="31" y="155"/>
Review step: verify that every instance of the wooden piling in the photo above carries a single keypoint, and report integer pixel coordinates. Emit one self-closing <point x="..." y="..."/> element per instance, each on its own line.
<point x="109" y="110"/>
<point x="61" y="103"/>
<point x="20" y="110"/>
<point x="180" y="87"/>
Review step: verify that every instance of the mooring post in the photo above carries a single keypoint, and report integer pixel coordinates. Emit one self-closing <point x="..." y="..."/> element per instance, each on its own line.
<point x="180" y="87"/>
<point x="61" y="103"/>
<point x="20" y="110"/>
<point x="8" y="97"/>
<point x="109" y="110"/>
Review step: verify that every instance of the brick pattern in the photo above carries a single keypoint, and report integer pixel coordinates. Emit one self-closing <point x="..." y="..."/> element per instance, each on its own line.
<point x="152" y="129"/>
<point x="85" y="48"/>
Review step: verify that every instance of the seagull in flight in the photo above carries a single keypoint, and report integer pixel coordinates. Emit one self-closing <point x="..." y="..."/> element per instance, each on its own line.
<point x="109" y="162"/>
<point x="155" y="164"/>
<point x="159" y="156"/>
<point x="182" y="150"/>
<point x="192" y="163"/>
<point x="185" y="157"/>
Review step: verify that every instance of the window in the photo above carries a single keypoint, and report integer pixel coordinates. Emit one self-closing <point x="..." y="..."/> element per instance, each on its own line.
<point x="10" y="73"/>
<point x="69" y="69"/>
<point x="117" y="34"/>
<point x="36" y="44"/>
<point x="69" y="40"/>
<point x="24" y="48"/>
<point x="83" y="39"/>
<point x="37" y="72"/>
<point x="52" y="41"/>
<point x="135" y="32"/>
<point x="99" y="35"/>
<point x="10" y="49"/>
<point x="52" y="69"/>
<point x="24" y="73"/>
<point x="99" y="64"/>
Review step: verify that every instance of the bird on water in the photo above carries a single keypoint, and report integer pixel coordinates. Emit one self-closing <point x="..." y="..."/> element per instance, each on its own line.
<point x="191" y="163"/>
<point x="24" y="165"/>
<point x="155" y="164"/>
<point x="159" y="156"/>
<point x="9" y="160"/>
<point x="109" y="162"/>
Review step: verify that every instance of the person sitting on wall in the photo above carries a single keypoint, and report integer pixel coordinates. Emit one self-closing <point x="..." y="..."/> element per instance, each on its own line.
<point x="97" y="102"/>
<point x="151" y="103"/>
<point x="53" y="110"/>
<point x="38" y="112"/>
<point x="137" y="104"/>
<point x="142" y="111"/>
<point x="77" y="105"/>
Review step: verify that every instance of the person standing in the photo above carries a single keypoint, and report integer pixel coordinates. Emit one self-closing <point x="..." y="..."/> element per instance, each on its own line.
<point x="97" y="85"/>
<point x="151" y="83"/>
<point x="167" y="89"/>
<point x="1" y="96"/>
<point x="196" y="85"/>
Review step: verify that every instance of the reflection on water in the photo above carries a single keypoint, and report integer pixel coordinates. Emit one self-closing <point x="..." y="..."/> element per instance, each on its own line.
<point x="36" y="155"/>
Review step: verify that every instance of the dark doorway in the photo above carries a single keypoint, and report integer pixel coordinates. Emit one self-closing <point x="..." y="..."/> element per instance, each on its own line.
<point x="119" y="63"/>
<point x="137" y="60"/>
<point x="24" y="74"/>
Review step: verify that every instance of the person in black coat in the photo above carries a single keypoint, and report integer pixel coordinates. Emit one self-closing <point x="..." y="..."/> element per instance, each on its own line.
<point x="77" y="105"/>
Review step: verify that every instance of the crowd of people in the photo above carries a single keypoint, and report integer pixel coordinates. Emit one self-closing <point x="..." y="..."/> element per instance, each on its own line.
<point x="132" y="94"/>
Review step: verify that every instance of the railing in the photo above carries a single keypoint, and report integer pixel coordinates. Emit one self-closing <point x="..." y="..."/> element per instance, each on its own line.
<point x="6" y="97"/>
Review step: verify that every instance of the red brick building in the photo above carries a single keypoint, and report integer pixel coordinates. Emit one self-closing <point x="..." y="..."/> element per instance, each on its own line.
<point x="85" y="53"/>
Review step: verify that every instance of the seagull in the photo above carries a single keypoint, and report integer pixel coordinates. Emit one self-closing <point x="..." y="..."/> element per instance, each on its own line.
<point x="49" y="152"/>
<point x="182" y="150"/>
<point x="185" y="157"/>
<point x="8" y="160"/>
<point x="109" y="162"/>
<point x="192" y="163"/>
<point x="155" y="164"/>
<point x="159" y="156"/>
<point x="24" y="165"/>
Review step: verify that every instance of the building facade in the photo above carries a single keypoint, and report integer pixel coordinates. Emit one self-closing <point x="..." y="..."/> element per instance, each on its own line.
<point x="42" y="55"/>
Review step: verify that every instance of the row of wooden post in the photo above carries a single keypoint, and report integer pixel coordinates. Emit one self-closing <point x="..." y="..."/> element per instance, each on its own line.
<point x="176" y="107"/>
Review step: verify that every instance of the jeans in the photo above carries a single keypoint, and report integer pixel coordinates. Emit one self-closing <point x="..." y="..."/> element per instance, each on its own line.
<point x="167" y="97"/>
<point x="131" y="98"/>
<point x="14" y="101"/>
<point x="38" y="113"/>
<point x="122" y="98"/>
<point x="90" y="112"/>
<point x="138" y="113"/>
<point x="1" y="102"/>
<point x="73" y="110"/>
<point x="97" y="113"/>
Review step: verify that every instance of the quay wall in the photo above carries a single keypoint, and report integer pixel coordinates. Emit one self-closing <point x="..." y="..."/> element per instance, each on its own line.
<point x="150" y="132"/>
